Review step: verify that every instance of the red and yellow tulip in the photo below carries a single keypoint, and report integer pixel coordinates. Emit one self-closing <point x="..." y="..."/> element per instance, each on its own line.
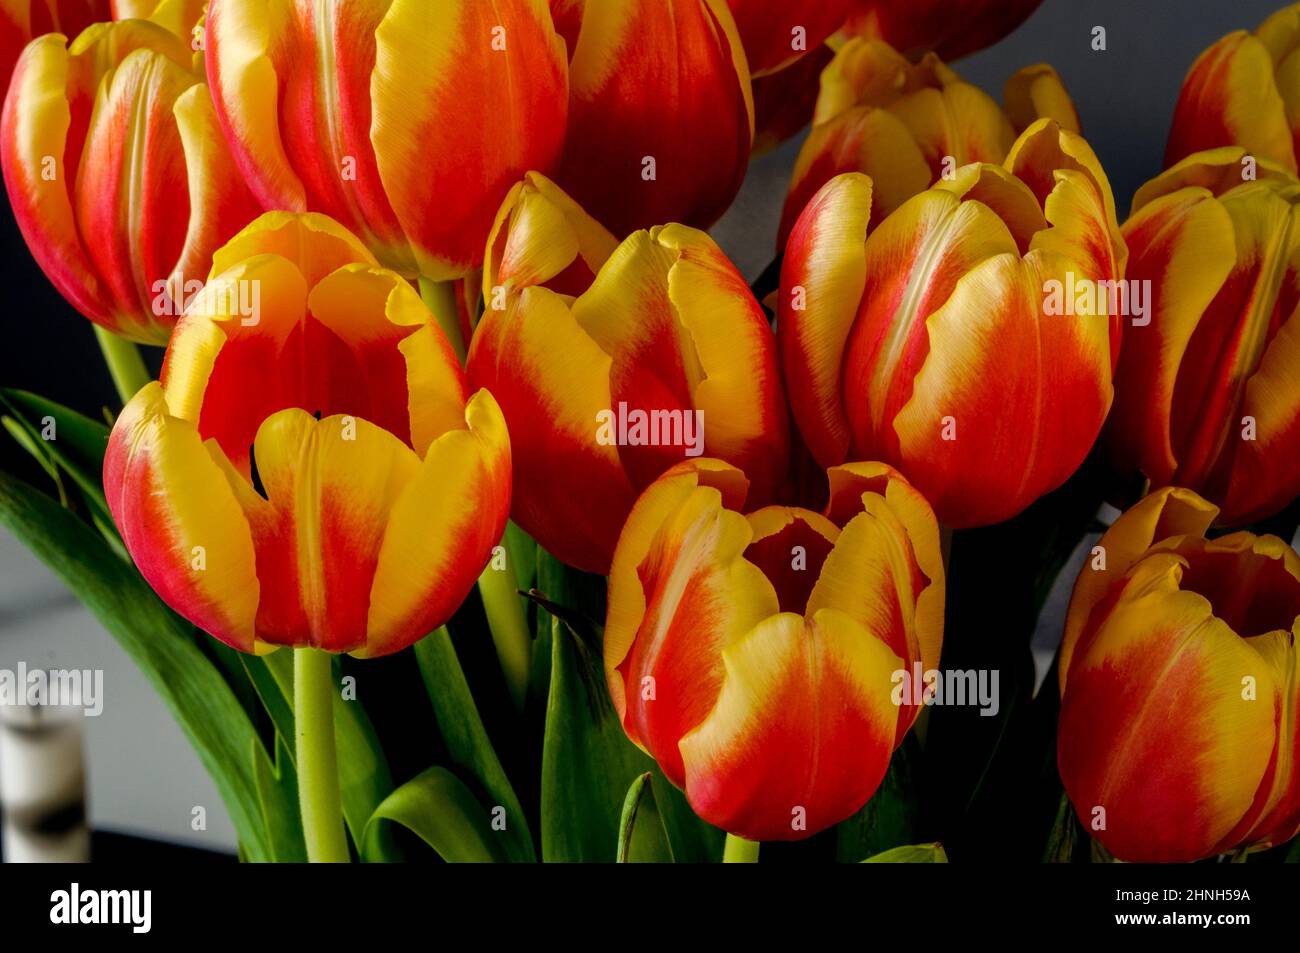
<point x="775" y="33"/>
<point x="1244" y="91"/>
<point x="662" y="326"/>
<point x="313" y="470"/>
<point x="1207" y="395"/>
<point x="21" y="21"/>
<point x="118" y="174"/>
<point x="950" y="28"/>
<point x="661" y="116"/>
<point x="1179" y="735"/>
<point x="924" y="343"/>
<point x="755" y="655"/>
<point x="405" y="120"/>
<point x="908" y="124"/>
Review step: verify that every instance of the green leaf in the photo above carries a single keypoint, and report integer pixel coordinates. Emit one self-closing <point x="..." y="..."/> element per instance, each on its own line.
<point x="641" y="835"/>
<point x="588" y="764"/>
<point x="438" y="807"/>
<point x="77" y="448"/>
<point x="278" y="792"/>
<point x="467" y="740"/>
<point x="160" y="643"/>
<point x="916" y="854"/>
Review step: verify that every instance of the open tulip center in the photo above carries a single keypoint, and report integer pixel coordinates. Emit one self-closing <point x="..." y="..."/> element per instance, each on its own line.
<point x="1249" y="591"/>
<point x="792" y="558"/>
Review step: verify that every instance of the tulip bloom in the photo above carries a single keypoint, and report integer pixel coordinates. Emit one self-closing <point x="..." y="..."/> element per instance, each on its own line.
<point x="1207" y="394"/>
<point x="661" y="116"/>
<point x="950" y="28"/>
<point x="312" y="470"/>
<point x="907" y="125"/>
<point x="929" y="345"/>
<point x="1179" y="735"/>
<point x="1244" y="91"/>
<point x="664" y="354"/>
<point x="22" y="20"/>
<point x="757" y="657"/>
<point x="407" y="121"/>
<point x="117" y="173"/>
<point x="775" y="33"/>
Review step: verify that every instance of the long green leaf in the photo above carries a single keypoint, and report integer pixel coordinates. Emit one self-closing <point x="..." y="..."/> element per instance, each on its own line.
<point x="467" y="740"/>
<point x="588" y="764"/>
<point x="278" y="790"/>
<point x="159" y="642"/>
<point x="438" y="807"/>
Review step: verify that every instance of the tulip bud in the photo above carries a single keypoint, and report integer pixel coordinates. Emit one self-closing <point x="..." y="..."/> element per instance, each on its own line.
<point x="663" y="355"/>
<point x="909" y="125"/>
<point x="430" y="113"/>
<point x="118" y="174"/>
<point x="1244" y="91"/>
<point x="661" y="116"/>
<point x="312" y="470"/>
<point x="1206" y="392"/>
<point x="23" y="20"/>
<point x="755" y="656"/>
<point x="950" y="28"/>
<point x="1179" y="735"/>
<point x="938" y="343"/>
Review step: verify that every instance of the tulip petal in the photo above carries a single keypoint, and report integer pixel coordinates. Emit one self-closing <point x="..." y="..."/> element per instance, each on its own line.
<point x="1036" y="92"/>
<point x="552" y="382"/>
<point x="1048" y="368"/>
<point x="1230" y="97"/>
<point x="1167" y="512"/>
<point x="331" y="486"/>
<point x="461" y="498"/>
<point x="781" y="778"/>
<point x="1184" y="242"/>
<point x="180" y="520"/>
<point x="822" y="278"/>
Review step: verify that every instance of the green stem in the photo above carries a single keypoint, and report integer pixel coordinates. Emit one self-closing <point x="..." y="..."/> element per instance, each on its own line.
<point x="125" y="364"/>
<point x="737" y="850"/>
<point x="499" y="589"/>
<point x="440" y="297"/>
<point x="318" y="776"/>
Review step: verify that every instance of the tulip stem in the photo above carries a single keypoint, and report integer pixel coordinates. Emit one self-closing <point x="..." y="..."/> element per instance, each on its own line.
<point x="737" y="850"/>
<point x="125" y="365"/>
<point x="318" y="776"/>
<point x="499" y="588"/>
<point x="440" y="297"/>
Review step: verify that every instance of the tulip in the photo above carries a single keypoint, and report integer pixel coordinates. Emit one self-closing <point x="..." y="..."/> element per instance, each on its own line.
<point x="1179" y="735"/>
<point x="1206" y="394"/>
<point x="930" y="346"/>
<point x="117" y="173"/>
<point x="775" y="33"/>
<point x="663" y="354"/>
<point x="950" y="28"/>
<point x="430" y="113"/>
<point x="1244" y="91"/>
<point x="661" y="116"/>
<point x="908" y="125"/>
<point x="757" y="657"/>
<point x="22" y="20"/>
<point x="312" y="471"/>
